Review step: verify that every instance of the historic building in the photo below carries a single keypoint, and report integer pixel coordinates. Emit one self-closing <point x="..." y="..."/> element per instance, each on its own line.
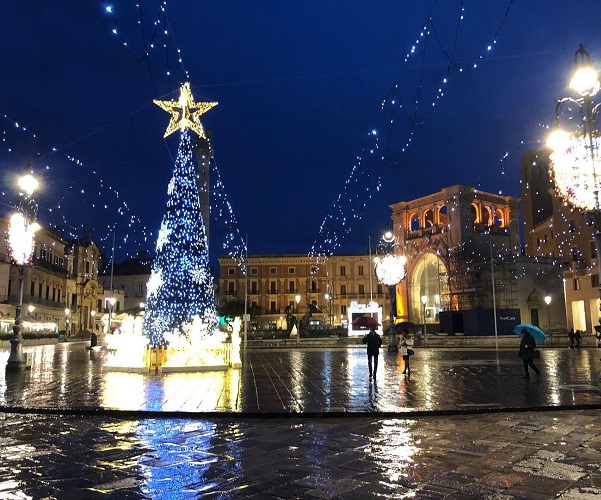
<point x="277" y="282"/>
<point x="60" y="287"/>
<point x="554" y="230"/>
<point x="128" y="281"/>
<point x="465" y="271"/>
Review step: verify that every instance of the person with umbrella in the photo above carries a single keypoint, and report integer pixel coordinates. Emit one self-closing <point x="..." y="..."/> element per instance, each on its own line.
<point x="527" y="350"/>
<point x="373" y="341"/>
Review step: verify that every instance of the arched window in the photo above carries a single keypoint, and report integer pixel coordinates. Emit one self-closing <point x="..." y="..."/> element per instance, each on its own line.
<point x="474" y="214"/>
<point x="486" y="216"/>
<point x="429" y="218"/>
<point x="499" y="218"/>
<point x="414" y="222"/>
<point x="442" y="215"/>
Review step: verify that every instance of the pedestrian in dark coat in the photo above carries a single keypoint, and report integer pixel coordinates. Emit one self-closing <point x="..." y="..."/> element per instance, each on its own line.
<point x="527" y="348"/>
<point x="405" y="353"/>
<point x="373" y="341"/>
<point x="572" y="337"/>
<point x="578" y="337"/>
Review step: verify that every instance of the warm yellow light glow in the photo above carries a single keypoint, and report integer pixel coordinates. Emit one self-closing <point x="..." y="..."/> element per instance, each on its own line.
<point x="585" y="81"/>
<point x="67" y="311"/>
<point x="297" y="298"/>
<point x="93" y="313"/>
<point x="388" y="237"/>
<point x="390" y="269"/>
<point x="558" y="140"/>
<point x="576" y="171"/>
<point x="30" y="309"/>
<point x="547" y="299"/>
<point x="21" y="238"/>
<point x="424" y="299"/>
<point x="28" y="184"/>
<point x="185" y="113"/>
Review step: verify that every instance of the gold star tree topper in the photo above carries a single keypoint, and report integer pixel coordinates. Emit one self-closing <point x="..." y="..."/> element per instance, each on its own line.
<point x="185" y="113"/>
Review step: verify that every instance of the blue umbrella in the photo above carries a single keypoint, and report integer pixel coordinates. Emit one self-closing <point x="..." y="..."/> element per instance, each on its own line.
<point x="535" y="331"/>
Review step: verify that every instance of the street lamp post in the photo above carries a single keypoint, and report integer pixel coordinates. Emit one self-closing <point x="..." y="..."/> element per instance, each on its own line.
<point x="390" y="271"/>
<point x="548" y="302"/>
<point x="328" y="297"/>
<point x="67" y="312"/>
<point x="21" y="234"/>
<point x="424" y="300"/>
<point x="111" y="306"/>
<point x="297" y="298"/>
<point x="574" y="157"/>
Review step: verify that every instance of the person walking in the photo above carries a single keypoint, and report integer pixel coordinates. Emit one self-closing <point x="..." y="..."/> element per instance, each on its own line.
<point x="405" y="353"/>
<point x="578" y="337"/>
<point x="571" y="337"/>
<point x="373" y="341"/>
<point x="527" y="350"/>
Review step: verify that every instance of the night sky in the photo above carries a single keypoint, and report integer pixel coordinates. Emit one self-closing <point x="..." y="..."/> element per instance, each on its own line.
<point x="300" y="86"/>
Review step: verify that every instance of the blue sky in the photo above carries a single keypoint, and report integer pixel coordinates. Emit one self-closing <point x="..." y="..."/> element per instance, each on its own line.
<point x="300" y="87"/>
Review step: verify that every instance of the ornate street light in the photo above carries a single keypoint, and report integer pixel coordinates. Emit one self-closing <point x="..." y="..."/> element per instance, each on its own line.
<point x="573" y="165"/>
<point x="21" y="244"/>
<point x="390" y="270"/>
<point x="329" y="297"/>
<point x="548" y="302"/>
<point x="67" y="312"/>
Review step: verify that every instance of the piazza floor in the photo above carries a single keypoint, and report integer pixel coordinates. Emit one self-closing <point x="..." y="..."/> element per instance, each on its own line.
<point x="304" y="424"/>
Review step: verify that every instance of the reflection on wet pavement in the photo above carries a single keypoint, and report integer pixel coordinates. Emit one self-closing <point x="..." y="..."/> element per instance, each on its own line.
<point x="67" y="376"/>
<point x="505" y="455"/>
<point x="397" y="448"/>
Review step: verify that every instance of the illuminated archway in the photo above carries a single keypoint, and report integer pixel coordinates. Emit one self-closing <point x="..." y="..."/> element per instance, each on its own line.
<point x="427" y="279"/>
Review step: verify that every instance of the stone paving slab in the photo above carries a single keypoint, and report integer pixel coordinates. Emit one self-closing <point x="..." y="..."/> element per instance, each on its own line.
<point x="554" y="454"/>
<point x="69" y="429"/>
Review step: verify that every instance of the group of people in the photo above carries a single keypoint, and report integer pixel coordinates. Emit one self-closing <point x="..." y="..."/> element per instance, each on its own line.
<point x="575" y="338"/>
<point x="374" y="342"/>
<point x="528" y="352"/>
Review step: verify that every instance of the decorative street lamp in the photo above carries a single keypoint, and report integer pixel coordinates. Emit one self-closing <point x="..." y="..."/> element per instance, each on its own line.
<point x="297" y="298"/>
<point x="67" y="312"/>
<point x="573" y="164"/>
<point x="329" y="297"/>
<point x="21" y="244"/>
<point x="548" y="302"/>
<point x="390" y="271"/>
<point x="111" y="306"/>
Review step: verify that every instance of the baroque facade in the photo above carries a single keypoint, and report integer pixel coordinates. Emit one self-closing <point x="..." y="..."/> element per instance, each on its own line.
<point x="60" y="287"/>
<point x="464" y="265"/>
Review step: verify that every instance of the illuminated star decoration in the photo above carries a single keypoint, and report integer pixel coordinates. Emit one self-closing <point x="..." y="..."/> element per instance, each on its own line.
<point x="185" y="113"/>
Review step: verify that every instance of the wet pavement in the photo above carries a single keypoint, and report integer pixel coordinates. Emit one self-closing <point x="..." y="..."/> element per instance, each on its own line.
<point x="466" y="425"/>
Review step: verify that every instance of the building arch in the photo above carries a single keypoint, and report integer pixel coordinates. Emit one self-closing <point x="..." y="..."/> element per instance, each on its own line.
<point x="475" y="213"/>
<point x="427" y="280"/>
<point x="441" y="216"/>
<point x="429" y="218"/>
<point x="414" y="223"/>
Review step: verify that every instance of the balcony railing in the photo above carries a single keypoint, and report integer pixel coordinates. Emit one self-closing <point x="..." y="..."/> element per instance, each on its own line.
<point x="47" y="266"/>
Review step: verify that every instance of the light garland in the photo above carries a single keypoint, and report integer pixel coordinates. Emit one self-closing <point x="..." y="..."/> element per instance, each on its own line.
<point x="390" y="269"/>
<point x="181" y="286"/>
<point x="574" y="174"/>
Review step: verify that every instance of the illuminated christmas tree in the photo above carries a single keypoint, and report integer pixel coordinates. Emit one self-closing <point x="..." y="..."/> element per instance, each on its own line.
<point x="180" y="288"/>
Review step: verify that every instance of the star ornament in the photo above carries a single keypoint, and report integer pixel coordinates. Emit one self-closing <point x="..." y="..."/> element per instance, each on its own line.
<point x="185" y="113"/>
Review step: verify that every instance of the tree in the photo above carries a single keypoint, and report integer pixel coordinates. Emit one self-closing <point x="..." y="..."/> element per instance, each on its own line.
<point x="180" y="285"/>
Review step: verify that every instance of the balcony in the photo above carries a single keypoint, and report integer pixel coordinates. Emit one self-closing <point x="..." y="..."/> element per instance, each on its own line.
<point x="47" y="266"/>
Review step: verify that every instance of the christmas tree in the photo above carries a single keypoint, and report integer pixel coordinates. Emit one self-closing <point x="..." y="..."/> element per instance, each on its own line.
<point x="180" y="288"/>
